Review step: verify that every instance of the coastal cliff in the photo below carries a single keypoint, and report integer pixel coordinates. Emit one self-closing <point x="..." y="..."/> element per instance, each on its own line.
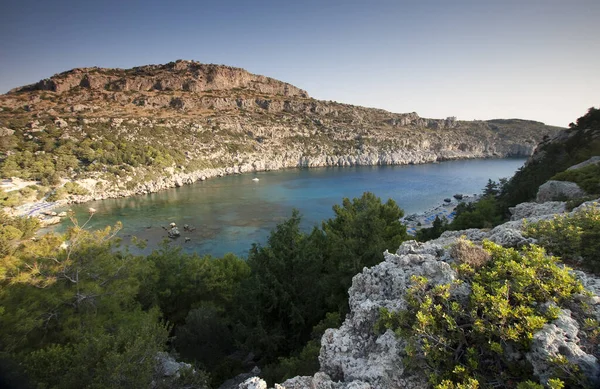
<point x="120" y="132"/>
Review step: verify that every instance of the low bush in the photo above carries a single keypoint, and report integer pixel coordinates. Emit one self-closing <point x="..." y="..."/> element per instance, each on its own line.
<point x="576" y="237"/>
<point x="588" y="178"/>
<point x="463" y="341"/>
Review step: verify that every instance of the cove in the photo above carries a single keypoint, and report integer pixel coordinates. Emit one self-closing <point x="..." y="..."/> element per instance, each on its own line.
<point x="230" y="213"/>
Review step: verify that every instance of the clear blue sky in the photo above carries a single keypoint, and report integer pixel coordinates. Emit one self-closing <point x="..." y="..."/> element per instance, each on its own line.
<point x="471" y="59"/>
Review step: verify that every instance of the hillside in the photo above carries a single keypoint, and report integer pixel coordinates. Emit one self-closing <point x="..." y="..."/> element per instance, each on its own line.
<point x="128" y="131"/>
<point x="556" y="154"/>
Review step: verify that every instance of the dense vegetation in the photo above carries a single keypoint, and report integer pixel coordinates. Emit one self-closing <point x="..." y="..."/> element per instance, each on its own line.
<point x="75" y="305"/>
<point x="465" y="340"/>
<point x="578" y="144"/>
<point x="575" y="238"/>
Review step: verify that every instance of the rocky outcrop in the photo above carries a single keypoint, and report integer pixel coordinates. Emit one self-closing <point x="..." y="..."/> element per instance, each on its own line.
<point x="559" y="338"/>
<point x="354" y="356"/>
<point x="187" y="76"/>
<point x="559" y="190"/>
<point x="535" y="210"/>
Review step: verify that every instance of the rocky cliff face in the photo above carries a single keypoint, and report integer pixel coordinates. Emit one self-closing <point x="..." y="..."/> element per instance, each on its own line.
<point x="354" y="356"/>
<point x="188" y="76"/>
<point x="151" y="127"/>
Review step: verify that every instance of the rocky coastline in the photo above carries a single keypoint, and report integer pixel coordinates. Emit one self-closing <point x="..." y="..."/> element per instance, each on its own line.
<point x="178" y="179"/>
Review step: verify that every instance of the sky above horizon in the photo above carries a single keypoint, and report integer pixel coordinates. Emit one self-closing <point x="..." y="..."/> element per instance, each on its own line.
<point x="537" y="60"/>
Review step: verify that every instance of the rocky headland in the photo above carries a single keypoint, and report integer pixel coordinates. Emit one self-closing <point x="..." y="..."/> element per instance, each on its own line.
<point x="121" y="132"/>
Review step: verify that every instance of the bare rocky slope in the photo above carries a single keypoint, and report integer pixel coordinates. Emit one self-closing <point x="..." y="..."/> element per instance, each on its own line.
<point x="130" y="131"/>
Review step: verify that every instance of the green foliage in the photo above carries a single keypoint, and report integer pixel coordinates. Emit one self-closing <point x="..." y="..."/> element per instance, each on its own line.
<point x="463" y="341"/>
<point x="588" y="178"/>
<point x="437" y="229"/>
<point x="179" y="282"/>
<point x="10" y="199"/>
<point x="554" y="157"/>
<point x="361" y="230"/>
<point x="12" y="230"/>
<point x="485" y="213"/>
<point x="306" y="361"/>
<point x="279" y="311"/>
<point x="576" y="238"/>
<point x="70" y="188"/>
<point x="69" y="316"/>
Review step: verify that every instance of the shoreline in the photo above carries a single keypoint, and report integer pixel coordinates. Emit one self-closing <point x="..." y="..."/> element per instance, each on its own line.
<point x="425" y="219"/>
<point x="44" y="208"/>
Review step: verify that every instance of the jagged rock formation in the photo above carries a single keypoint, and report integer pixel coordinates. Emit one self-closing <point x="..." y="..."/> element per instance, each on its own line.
<point x="354" y="356"/>
<point x="139" y="130"/>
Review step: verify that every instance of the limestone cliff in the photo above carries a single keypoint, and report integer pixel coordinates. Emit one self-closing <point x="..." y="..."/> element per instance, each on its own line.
<point x="143" y="129"/>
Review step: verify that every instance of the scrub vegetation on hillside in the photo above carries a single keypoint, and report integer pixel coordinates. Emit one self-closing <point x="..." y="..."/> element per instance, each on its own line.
<point x="552" y="158"/>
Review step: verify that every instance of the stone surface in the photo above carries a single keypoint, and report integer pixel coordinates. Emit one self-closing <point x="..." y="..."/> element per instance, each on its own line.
<point x="532" y="210"/>
<point x="560" y="338"/>
<point x="559" y="190"/>
<point x="235" y="382"/>
<point x="253" y="383"/>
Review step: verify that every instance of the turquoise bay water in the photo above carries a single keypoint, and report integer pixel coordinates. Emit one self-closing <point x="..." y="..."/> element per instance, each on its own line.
<point x="232" y="212"/>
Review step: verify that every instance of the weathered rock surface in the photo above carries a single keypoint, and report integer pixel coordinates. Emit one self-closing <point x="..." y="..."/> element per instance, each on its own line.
<point x="354" y="356"/>
<point x="559" y="338"/>
<point x="189" y="76"/>
<point x="253" y="383"/>
<point x="533" y="210"/>
<point x="559" y="190"/>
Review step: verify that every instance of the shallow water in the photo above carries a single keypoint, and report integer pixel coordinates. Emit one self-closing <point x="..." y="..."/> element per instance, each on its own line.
<point x="232" y="212"/>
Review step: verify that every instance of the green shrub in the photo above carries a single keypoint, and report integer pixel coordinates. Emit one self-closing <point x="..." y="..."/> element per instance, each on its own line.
<point x="463" y="341"/>
<point x="576" y="238"/>
<point x="74" y="188"/>
<point x="588" y="178"/>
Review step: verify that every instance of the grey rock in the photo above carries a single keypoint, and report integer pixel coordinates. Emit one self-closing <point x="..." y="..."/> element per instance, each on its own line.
<point x="508" y="235"/>
<point x="532" y="210"/>
<point x="560" y="338"/>
<point x="167" y="366"/>
<point x="559" y="190"/>
<point x="253" y="383"/>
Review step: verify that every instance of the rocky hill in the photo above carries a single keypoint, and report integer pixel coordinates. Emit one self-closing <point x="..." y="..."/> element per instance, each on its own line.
<point x="127" y="131"/>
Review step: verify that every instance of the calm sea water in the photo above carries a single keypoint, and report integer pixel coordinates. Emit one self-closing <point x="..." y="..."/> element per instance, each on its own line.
<point x="232" y="212"/>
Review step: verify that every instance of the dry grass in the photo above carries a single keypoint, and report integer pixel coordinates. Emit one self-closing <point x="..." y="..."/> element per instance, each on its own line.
<point x="465" y="251"/>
